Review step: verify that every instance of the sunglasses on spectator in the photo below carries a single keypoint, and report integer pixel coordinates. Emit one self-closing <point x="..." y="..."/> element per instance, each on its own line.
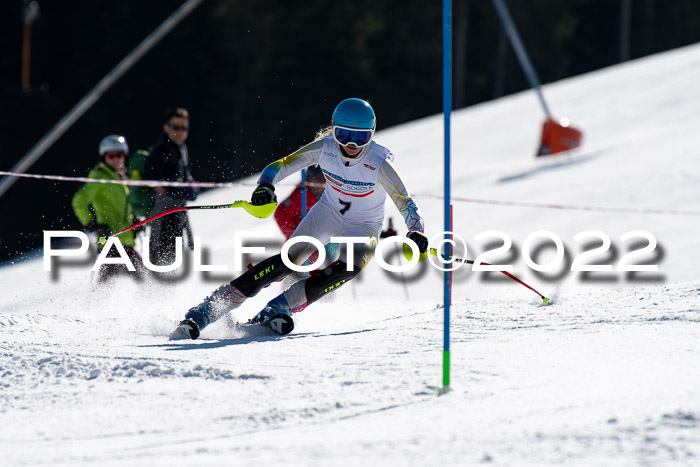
<point x="178" y="127"/>
<point x="115" y="155"/>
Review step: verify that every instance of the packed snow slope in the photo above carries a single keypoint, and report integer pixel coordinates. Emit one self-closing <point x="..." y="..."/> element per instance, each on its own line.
<point x="607" y="374"/>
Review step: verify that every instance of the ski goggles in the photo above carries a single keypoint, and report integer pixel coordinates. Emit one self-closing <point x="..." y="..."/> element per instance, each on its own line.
<point x="345" y="136"/>
<point x="115" y="155"/>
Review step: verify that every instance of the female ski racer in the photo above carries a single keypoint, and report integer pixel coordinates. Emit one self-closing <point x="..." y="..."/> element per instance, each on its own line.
<point x="359" y="175"/>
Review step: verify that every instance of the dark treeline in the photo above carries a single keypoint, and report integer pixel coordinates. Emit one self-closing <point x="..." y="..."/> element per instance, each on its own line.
<point x="259" y="76"/>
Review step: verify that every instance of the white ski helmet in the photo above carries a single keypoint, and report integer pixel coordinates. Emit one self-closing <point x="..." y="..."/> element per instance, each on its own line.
<point x="113" y="143"/>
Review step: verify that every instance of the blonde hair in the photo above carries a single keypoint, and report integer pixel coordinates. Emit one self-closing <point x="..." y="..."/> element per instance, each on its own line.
<point x="323" y="132"/>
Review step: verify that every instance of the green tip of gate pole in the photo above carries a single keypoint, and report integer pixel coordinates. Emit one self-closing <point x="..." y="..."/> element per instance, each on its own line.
<point x="102" y="241"/>
<point x="545" y="300"/>
<point x="445" y="373"/>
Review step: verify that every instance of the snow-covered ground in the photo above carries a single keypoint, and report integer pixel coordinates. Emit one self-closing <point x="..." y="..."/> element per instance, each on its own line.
<point x="608" y="374"/>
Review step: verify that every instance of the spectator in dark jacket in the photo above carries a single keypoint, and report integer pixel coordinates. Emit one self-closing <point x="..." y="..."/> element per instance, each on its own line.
<point x="169" y="161"/>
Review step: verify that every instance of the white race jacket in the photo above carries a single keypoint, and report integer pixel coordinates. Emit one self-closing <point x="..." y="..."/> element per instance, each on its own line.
<point x="357" y="190"/>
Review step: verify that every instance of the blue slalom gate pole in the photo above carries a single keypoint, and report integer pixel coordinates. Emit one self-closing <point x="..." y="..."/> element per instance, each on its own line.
<point x="303" y="193"/>
<point x="447" y="109"/>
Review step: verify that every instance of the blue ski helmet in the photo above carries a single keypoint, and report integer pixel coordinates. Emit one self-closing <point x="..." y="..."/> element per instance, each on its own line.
<point x="354" y="113"/>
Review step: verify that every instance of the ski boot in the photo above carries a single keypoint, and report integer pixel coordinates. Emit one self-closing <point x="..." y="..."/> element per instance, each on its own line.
<point x="224" y="299"/>
<point x="277" y="314"/>
<point x="187" y="329"/>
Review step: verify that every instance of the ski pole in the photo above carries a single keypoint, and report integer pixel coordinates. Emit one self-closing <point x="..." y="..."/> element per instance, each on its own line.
<point x="408" y="253"/>
<point x="258" y="211"/>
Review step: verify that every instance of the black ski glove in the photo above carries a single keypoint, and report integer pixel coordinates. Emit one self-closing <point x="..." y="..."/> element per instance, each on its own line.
<point x="419" y="239"/>
<point x="101" y="230"/>
<point x="263" y="194"/>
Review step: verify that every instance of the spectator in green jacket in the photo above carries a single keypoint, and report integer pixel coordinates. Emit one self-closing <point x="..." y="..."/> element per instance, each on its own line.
<point x="103" y="208"/>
